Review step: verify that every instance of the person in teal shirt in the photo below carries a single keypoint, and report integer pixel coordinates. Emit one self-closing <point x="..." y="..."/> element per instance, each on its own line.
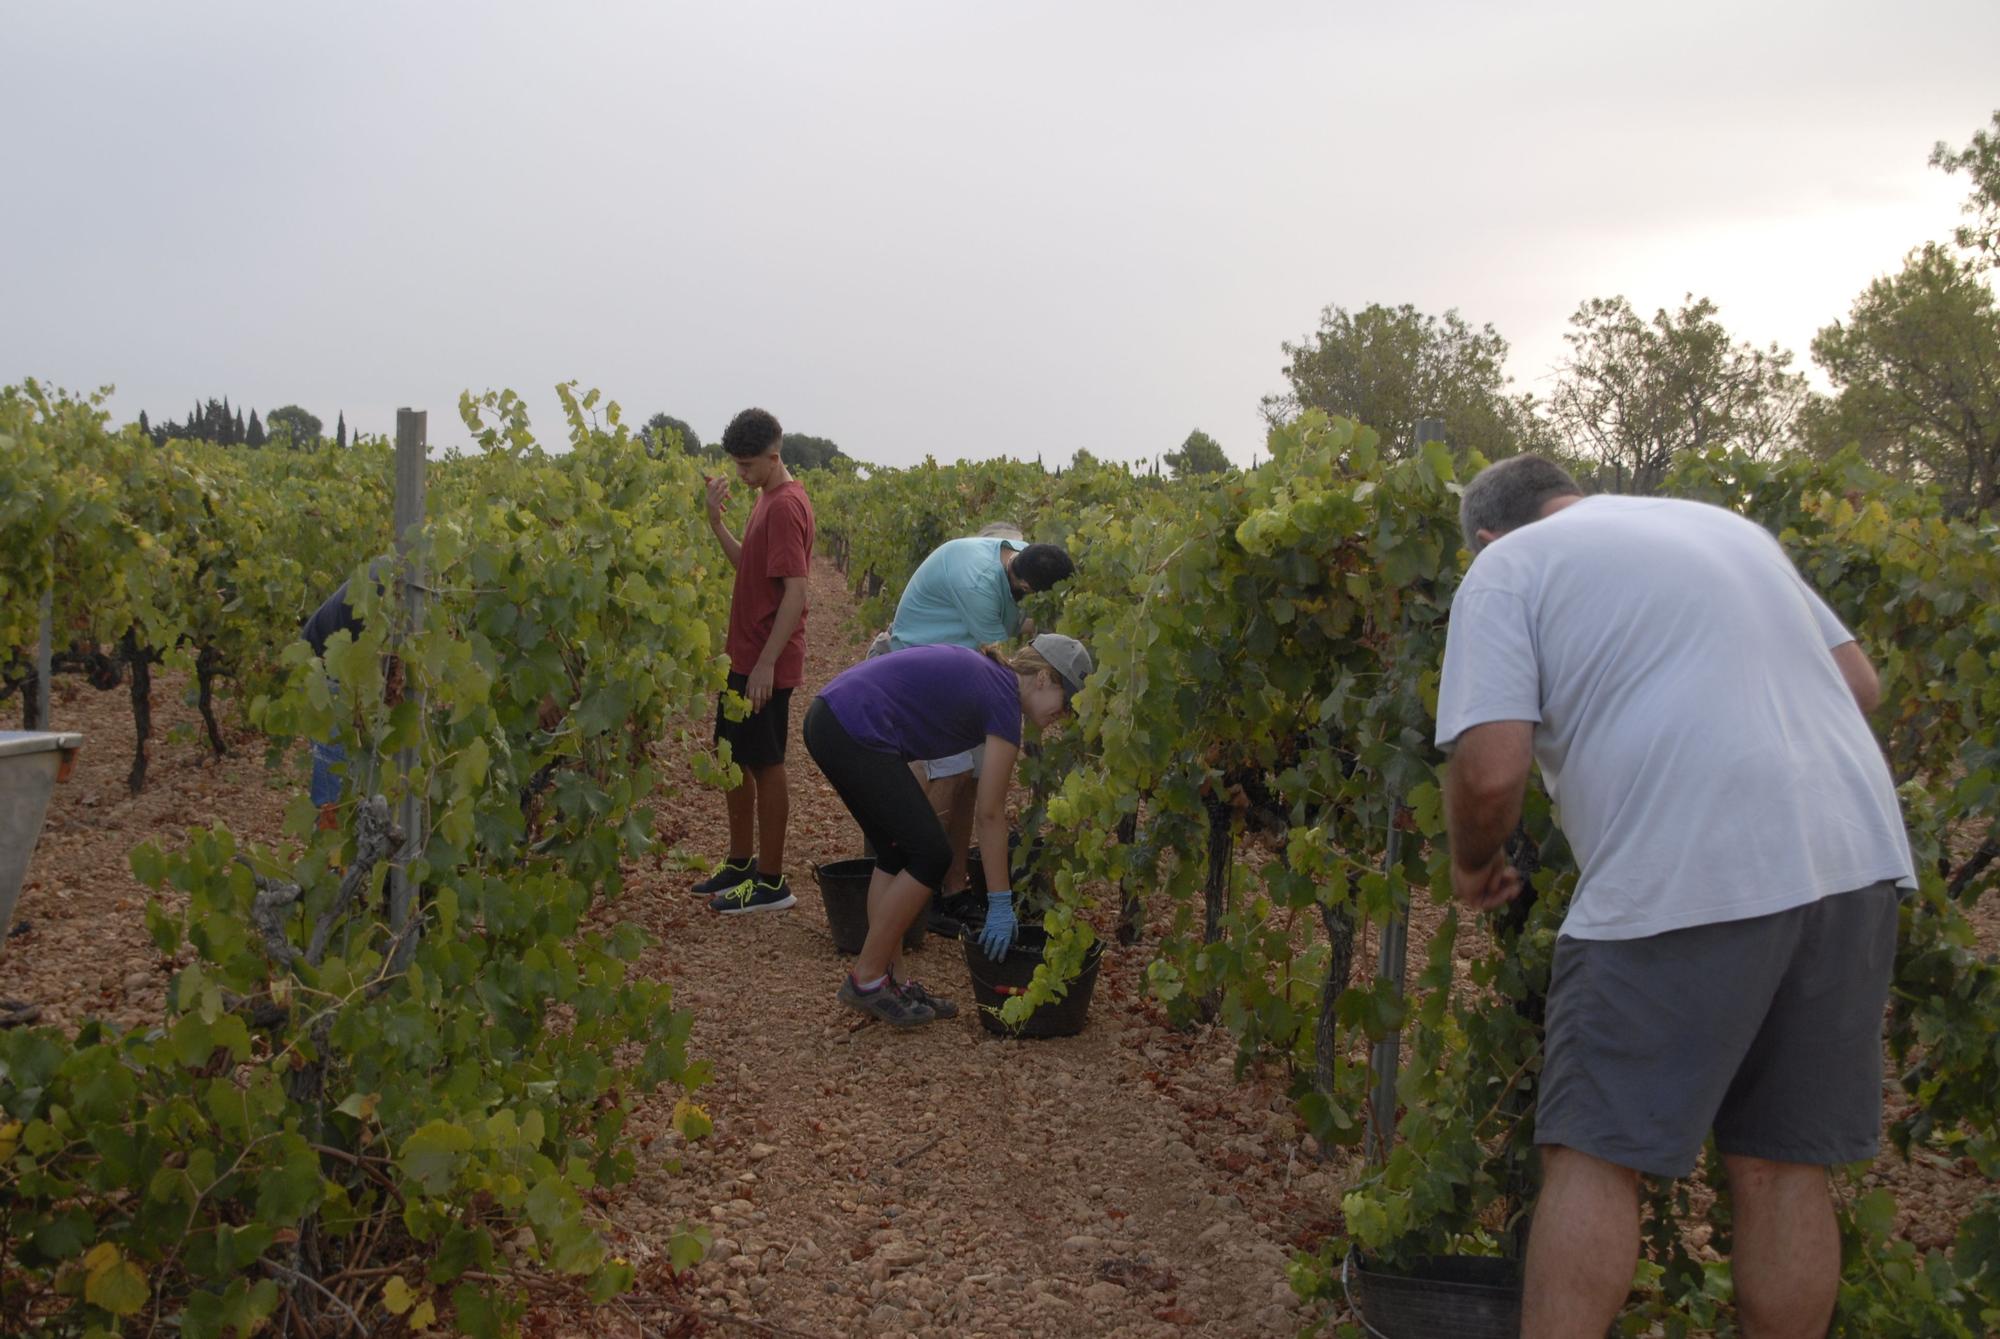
<point x="968" y="592"/>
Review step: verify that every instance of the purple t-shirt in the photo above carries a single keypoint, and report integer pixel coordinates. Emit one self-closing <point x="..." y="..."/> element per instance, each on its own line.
<point x="926" y="702"/>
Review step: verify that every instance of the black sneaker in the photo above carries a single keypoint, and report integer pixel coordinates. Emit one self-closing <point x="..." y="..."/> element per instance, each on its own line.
<point x="754" y="894"/>
<point x="887" y="1003"/>
<point x="732" y="873"/>
<point x="914" y="992"/>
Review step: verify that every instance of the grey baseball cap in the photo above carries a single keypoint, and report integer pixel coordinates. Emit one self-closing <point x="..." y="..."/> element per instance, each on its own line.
<point x="1071" y="661"/>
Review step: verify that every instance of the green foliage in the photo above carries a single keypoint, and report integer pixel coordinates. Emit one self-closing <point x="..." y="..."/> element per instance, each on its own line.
<point x="345" y="1074"/>
<point x="183" y="548"/>
<point x="663" y="434"/>
<point x="1199" y="454"/>
<point x="802" y="451"/>
<point x="1636" y="396"/>
<point x="1268" y="647"/>
<point x="1390" y="366"/>
<point x="1916" y="370"/>
<point x="342" y="1074"/>
<point x="1980" y="161"/>
<point x="68" y="523"/>
<point x="291" y="426"/>
<point x="880" y="526"/>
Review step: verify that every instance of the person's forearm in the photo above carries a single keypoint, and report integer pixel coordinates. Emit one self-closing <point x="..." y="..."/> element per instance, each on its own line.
<point x="791" y="608"/>
<point x="992" y="839"/>
<point x="732" y="547"/>
<point x="1478" y="822"/>
<point x="1859" y="675"/>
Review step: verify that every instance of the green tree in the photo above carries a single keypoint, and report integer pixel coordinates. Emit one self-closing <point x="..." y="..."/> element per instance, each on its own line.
<point x="655" y="435"/>
<point x="1635" y="395"/>
<point x="1387" y="367"/>
<point x="802" y="451"/>
<point x="254" y="434"/>
<point x="340" y="431"/>
<point x="1980" y="161"/>
<point x="1199" y="454"/>
<point x="293" y="427"/>
<point x="1916" y="372"/>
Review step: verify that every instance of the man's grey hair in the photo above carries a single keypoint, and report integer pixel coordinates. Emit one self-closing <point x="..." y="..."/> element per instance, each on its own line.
<point x="1509" y="494"/>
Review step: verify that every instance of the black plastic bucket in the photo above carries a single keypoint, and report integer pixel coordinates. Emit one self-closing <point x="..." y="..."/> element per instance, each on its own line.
<point x="994" y="983"/>
<point x="843" y="886"/>
<point x="1466" y="1296"/>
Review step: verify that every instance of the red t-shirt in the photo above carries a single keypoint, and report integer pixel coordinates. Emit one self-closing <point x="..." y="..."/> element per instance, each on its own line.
<point x="778" y="543"/>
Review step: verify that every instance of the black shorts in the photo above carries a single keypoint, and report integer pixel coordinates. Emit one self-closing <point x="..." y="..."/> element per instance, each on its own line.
<point x="1767" y="1031"/>
<point x="758" y="740"/>
<point x="883" y="795"/>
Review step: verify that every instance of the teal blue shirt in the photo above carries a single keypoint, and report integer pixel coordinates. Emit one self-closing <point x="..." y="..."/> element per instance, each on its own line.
<point x="959" y="596"/>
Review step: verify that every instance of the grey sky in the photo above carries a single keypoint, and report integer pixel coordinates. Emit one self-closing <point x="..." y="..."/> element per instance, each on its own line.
<point x="930" y="227"/>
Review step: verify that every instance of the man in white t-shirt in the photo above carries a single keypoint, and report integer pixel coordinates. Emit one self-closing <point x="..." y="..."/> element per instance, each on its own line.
<point x="1697" y="712"/>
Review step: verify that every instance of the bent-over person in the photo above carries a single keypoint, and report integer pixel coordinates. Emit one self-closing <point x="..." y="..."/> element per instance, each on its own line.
<point x="869" y="724"/>
<point x="1697" y="712"/>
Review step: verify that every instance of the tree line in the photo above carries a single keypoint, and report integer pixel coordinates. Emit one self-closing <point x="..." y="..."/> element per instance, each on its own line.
<point x="290" y="427"/>
<point x="287" y="427"/>
<point x="663" y="433"/>
<point x="1914" y="369"/>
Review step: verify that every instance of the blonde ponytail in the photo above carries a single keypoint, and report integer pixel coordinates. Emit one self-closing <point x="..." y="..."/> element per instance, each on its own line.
<point x="1026" y="662"/>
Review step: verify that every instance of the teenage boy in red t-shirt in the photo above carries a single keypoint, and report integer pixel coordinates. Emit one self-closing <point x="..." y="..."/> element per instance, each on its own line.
<point x="767" y="657"/>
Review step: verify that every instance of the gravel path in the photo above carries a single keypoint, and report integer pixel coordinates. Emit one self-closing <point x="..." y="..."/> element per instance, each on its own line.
<point x="946" y="1181"/>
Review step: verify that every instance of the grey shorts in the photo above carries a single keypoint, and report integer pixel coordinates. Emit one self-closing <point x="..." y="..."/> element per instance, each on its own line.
<point x="1767" y="1030"/>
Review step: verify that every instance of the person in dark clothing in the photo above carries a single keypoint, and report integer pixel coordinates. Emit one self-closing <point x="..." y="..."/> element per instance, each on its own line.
<point x="328" y="756"/>
<point x="330" y="760"/>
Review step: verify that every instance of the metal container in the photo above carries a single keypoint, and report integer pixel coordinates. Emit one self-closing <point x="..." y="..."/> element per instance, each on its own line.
<point x="31" y="762"/>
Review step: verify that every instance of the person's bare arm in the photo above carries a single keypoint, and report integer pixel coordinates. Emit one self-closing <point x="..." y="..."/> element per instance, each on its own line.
<point x="1484" y="783"/>
<point x="989" y="813"/>
<point x="791" y="608"/>
<point x="1862" y="681"/>
<point x="718" y="498"/>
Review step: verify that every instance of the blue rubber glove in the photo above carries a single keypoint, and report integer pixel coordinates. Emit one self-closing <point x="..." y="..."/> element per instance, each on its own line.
<point x="997" y="936"/>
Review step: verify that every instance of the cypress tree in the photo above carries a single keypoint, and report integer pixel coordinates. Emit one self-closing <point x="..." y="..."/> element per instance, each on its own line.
<point x="340" y="431"/>
<point x="254" y="434"/>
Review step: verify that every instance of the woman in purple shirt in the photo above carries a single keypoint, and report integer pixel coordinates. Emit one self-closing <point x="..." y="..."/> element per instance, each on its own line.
<point x="869" y="724"/>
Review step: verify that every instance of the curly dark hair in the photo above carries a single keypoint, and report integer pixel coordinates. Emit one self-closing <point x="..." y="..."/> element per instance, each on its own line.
<point x="751" y="433"/>
<point x="1043" y="565"/>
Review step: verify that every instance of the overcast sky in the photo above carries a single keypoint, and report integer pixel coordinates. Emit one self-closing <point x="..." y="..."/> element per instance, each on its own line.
<point x="950" y="228"/>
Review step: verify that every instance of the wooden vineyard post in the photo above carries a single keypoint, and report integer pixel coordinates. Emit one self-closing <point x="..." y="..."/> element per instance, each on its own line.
<point x="1387" y="1053"/>
<point x="44" y="662"/>
<point x="411" y="431"/>
<point x="1394" y="961"/>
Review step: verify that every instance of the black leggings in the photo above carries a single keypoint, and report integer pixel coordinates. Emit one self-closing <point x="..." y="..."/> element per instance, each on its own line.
<point x="883" y="795"/>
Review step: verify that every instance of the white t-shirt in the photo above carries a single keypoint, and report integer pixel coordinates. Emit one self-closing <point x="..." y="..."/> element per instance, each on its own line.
<point x="1706" y="758"/>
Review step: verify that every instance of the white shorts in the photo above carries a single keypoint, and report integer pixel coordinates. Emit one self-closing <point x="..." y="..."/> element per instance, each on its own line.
<point x="958" y="764"/>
